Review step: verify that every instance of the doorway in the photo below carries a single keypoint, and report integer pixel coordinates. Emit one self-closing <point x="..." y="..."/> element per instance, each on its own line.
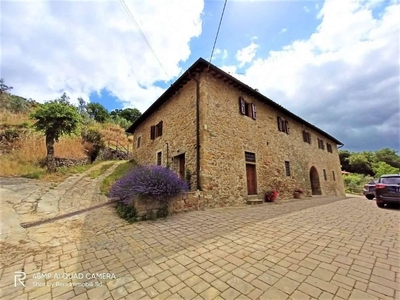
<point x="251" y="179"/>
<point x="314" y="179"/>
<point x="181" y="165"/>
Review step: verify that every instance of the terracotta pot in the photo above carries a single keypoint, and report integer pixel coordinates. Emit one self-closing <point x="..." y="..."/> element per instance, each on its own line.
<point x="296" y="195"/>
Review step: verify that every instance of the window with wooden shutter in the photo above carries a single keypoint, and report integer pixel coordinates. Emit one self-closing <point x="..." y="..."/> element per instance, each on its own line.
<point x="153" y="132"/>
<point x="287" y="127"/>
<point x="159" y="129"/>
<point x="253" y="111"/>
<point x="242" y="106"/>
<point x="280" y="124"/>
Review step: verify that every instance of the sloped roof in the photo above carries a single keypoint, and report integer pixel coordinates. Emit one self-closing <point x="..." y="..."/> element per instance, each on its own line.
<point x="199" y="66"/>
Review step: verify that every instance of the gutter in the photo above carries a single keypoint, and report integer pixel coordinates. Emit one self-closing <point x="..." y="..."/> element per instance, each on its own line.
<point x="198" y="183"/>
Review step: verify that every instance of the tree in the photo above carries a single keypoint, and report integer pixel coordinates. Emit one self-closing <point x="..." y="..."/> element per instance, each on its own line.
<point x="344" y="160"/>
<point x="361" y="162"/>
<point x="56" y="118"/>
<point x="98" y="112"/>
<point x="388" y="156"/>
<point x="129" y="114"/>
<point x="382" y="168"/>
<point x="4" y="89"/>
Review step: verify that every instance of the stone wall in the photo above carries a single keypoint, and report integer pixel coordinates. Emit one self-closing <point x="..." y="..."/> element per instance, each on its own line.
<point x="178" y="133"/>
<point x="67" y="162"/>
<point x="227" y="134"/>
<point x="112" y="154"/>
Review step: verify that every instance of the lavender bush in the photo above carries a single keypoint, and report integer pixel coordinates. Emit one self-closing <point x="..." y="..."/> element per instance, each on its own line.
<point x="148" y="181"/>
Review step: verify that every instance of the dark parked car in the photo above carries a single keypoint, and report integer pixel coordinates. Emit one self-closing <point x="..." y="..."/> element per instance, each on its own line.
<point x="388" y="190"/>
<point x="369" y="189"/>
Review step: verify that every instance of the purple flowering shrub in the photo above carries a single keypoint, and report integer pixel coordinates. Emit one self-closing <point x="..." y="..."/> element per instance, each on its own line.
<point x="148" y="181"/>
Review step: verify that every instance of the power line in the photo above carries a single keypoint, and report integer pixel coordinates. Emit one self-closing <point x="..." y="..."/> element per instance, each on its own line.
<point x="126" y="8"/>
<point x="216" y="36"/>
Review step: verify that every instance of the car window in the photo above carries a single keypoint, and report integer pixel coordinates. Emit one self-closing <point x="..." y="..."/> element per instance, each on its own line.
<point x="390" y="180"/>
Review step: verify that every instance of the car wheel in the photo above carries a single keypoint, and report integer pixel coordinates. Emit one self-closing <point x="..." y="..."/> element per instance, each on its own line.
<point x="380" y="204"/>
<point x="369" y="197"/>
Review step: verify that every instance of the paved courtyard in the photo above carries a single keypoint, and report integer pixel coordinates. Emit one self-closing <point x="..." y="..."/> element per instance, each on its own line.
<point x="322" y="248"/>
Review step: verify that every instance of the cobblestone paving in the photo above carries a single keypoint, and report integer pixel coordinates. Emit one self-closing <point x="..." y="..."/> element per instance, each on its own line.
<point x="306" y="249"/>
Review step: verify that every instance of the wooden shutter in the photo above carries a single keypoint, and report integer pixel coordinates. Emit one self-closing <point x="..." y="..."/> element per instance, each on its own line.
<point x="280" y="124"/>
<point x="242" y="106"/>
<point x="153" y="132"/>
<point x="253" y="111"/>
<point x="309" y="138"/>
<point x="304" y="136"/>
<point x="287" y="127"/>
<point x="159" y="127"/>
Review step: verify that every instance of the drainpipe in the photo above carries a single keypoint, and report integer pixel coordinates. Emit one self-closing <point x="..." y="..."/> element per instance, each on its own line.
<point x="341" y="146"/>
<point x="167" y="154"/>
<point x="198" y="185"/>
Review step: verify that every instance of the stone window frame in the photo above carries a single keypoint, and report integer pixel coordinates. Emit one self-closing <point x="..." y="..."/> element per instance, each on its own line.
<point x="283" y="124"/>
<point x="287" y="168"/>
<point x="247" y="108"/>
<point x="247" y="158"/>
<point x="159" y="157"/>
<point x="139" y="141"/>
<point x="325" y="176"/>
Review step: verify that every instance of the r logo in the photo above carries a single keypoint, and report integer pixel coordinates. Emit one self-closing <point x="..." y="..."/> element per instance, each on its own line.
<point x="19" y="276"/>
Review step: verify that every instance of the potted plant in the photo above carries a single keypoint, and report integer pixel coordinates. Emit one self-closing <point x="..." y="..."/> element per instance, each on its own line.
<point x="297" y="193"/>
<point x="270" y="196"/>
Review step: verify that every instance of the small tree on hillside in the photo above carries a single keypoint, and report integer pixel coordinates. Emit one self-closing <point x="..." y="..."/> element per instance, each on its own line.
<point x="98" y="112"/>
<point x="55" y="118"/>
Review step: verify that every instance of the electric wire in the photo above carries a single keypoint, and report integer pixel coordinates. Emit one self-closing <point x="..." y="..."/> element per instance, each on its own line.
<point x="216" y="36"/>
<point x="127" y="10"/>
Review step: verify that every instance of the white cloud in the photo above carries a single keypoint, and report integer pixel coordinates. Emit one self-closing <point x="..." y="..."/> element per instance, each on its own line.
<point x="78" y="47"/>
<point x="305" y="8"/>
<point x="222" y="54"/>
<point x="246" y="54"/>
<point x="344" y="76"/>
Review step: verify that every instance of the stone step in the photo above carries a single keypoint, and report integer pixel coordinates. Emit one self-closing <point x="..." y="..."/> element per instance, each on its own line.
<point x="255" y="201"/>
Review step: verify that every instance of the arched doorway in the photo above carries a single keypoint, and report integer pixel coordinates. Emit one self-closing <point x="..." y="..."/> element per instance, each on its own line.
<point x="314" y="179"/>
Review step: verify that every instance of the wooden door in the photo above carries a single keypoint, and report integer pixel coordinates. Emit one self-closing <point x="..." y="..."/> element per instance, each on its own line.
<point x="251" y="179"/>
<point x="182" y="166"/>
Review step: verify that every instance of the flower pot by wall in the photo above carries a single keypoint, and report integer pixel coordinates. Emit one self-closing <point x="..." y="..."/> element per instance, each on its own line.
<point x="296" y="195"/>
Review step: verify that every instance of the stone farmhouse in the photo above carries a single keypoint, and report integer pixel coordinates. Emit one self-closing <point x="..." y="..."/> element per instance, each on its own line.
<point x="232" y="143"/>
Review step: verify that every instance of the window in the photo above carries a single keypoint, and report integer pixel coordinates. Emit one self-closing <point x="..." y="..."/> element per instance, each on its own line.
<point x="306" y="137"/>
<point x="156" y="130"/>
<point x="250" y="157"/>
<point x="248" y="109"/>
<point x="333" y="175"/>
<point x="283" y="125"/>
<point x="287" y="168"/>
<point x="139" y="140"/>
<point x="329" y="147"/>
<point x="159" y="158"/>
<point x="325" y="174"/>
<point x="321" y="144"/>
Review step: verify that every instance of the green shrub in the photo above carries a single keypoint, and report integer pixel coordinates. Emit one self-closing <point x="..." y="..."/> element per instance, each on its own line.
<point x="126" y="211"/>
<point x="33" y="175"/>
<point x="354" y="182"/>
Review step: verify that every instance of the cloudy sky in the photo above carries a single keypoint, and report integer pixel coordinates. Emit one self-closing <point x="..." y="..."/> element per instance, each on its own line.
<point x="335" y="63"/>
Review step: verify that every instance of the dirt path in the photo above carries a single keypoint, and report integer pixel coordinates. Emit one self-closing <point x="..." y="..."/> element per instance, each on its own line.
<point x="23" y="200"/>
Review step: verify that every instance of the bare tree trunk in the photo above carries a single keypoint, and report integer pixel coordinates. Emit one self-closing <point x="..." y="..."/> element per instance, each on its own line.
<point x="51" y="163"/>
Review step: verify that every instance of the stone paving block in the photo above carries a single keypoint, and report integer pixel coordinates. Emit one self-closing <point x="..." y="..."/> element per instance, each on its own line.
<point x="273" y="293"/>
<point x="286" y="285"/>
<point x="99" y="293"/>
<point x="297" y="295"/>
<point x="381" y="289"/>
<point x="344" y="279"/>
<point x="187" y="293"/>
<point x="322" y="274"/>
<point x="229" y="294"/>
<point x="357" y="295"/>
<point x="309" y="290"/>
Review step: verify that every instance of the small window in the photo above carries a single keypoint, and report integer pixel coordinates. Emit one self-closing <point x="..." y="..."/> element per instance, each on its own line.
<point x="329" y="147"/>
<point x="325" y="174"/>
<point x="287" y="168"/>
<point x="159" y="158"/>
<point x="156" y="130"/>
<point x="139" y="140"/>
<point x="152" y="132"/>
<point x="306" y="137"/>
<point x="333" y="176"/>
<point x="283" y="125"/>
<point x="247" y="109"/>
<point x="250" y="157"/>
<point x="321" y="144"/>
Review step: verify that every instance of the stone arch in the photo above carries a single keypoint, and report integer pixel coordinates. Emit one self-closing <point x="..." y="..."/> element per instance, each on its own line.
<point x="314" y="179"/>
